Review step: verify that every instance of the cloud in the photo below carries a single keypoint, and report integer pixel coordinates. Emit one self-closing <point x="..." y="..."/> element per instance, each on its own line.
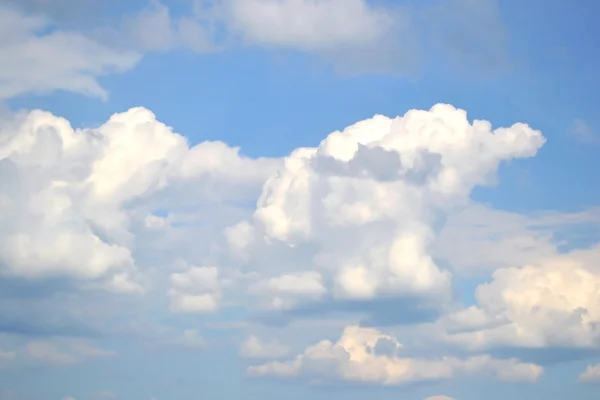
<point x="310" y="25"/>
<point x="154" y="28"/>
<point x="195" y="290"/>
<point x="28" y="62"/>
<point x="48" y="353"/>
<point x="345" y="31"/>
<point x="253" y="347"/>
<point x="359" y="36"/>
<point x="355" y="35"/>
<point x="478" y="238"/>
<point x="591" y="374"/>
<point x="439" y="397"/>
<point x="369" y="356"/>
<point x="63" y="353"/>
<point x="556" y="304"/>
<point x="69" y="197"/>
<point x="362" y="210"/>
<point x="286" y="291"/>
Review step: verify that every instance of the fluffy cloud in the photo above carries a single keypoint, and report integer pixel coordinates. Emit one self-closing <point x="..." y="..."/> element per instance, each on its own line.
<point x="369" y="356"/>
<point x="70" y="197"/>
<point x="28" y="62"/>
<point x="253" y="347"/>
<point x="361" y="211"/>
<point x="591" y="374"/>
<point x="439" y="397"/>
<point x="195" y="290"/>
<point x="286" y="291"/>
<point x="556" y="304"/>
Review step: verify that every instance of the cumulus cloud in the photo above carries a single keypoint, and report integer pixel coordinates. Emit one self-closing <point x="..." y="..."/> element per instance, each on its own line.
<point x="366" y="355"/>
<point x="28" y="62"/>
<point x="591" y="374"/>
<point x="362" y="210"/>
<point x="68" y="196"/>
<point x="195" y="290"/>
<point x="254" y="347"/>
<point x="556" y="304"/>
<point x="286" y="291"/>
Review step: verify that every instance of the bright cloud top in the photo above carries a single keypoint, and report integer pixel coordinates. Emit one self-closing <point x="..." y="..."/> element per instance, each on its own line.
<point x="554" y="304"/>
<point x="369" y="356"/>
<point x="69" y="198"/>
<point x="359" y="213"/>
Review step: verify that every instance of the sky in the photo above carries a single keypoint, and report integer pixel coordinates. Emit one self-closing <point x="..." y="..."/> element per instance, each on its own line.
<point x="291" y="199"/>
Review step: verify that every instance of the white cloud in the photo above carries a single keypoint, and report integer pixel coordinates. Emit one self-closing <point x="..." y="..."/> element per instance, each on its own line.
<point x="362" y="209"/>
<point x="253" y="347"/>
<point x="353" y="33"/>
<point x="369" y="356"/>
<point x="440" y="397"/>
<point x="356" y="35"/>
<point x="285" y="291"/>
<point x="195" y="290"/>
<point x="591" y="374"/>
<point x="310" y="25"/>
<point x="556" y="304"/>
<point x="68" y="197"/>
<point x="28" y="62"/>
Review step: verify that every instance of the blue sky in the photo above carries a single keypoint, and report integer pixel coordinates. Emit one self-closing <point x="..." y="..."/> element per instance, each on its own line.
<point x="141" y="264"/>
